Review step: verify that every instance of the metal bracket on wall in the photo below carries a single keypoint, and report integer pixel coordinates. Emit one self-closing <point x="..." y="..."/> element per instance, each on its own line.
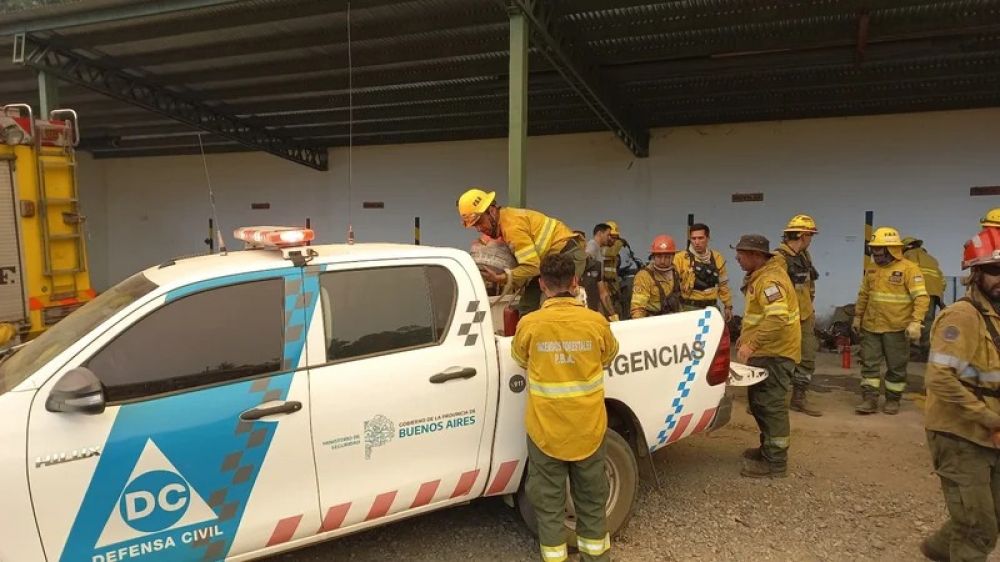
<point x="575" y="66"/>
<point x="117" y="82"/>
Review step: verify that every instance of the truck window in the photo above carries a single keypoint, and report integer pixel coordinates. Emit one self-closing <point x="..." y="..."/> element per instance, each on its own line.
<point x="214" y="336"/>
<point x="375" y="311"/>
<point x="25" y="361"/>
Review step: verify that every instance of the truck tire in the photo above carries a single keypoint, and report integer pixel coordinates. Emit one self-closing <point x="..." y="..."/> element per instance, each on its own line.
<point x="623" y="474"/>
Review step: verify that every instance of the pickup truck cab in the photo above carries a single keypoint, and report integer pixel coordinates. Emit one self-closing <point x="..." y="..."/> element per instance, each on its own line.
<point x="235" y="406"/>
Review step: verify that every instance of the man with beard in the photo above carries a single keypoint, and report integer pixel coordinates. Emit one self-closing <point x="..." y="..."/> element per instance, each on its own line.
<point x="962" y="415"/>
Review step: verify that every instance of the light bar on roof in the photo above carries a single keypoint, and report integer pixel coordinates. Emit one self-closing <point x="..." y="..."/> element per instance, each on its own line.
<point x="274" y="236"/>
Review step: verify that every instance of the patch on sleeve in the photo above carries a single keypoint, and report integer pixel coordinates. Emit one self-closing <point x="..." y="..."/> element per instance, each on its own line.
<point x="772" y="293"/>
<point x="918" y="278"/>
<point x="950" y="333"/>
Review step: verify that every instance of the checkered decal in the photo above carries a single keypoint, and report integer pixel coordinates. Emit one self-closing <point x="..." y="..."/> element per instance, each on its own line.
<point x="465" y="329"/>
<point x="243" y="464"/>
<point x="683" y="389"/>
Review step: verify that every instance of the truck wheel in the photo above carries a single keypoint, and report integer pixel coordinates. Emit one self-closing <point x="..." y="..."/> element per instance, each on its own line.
<point x="623" y="479"/>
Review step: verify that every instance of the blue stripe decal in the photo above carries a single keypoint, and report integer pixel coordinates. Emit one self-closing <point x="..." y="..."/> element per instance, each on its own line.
<point x="209" y="459"/>
<point x="683" y="390"/>
<point x="287" y="273"/>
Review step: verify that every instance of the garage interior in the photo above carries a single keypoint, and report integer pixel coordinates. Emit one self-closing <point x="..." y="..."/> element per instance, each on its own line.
<point x="372" y="114"/>
<point x="275" y="76"/>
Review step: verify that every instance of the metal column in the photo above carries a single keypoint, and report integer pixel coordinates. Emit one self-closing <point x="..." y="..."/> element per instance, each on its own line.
<point x="517" y="134"/>
<point x="48" y="93"/>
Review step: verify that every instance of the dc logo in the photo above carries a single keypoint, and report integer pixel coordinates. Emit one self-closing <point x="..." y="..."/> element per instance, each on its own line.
<point x="154" y="501"/>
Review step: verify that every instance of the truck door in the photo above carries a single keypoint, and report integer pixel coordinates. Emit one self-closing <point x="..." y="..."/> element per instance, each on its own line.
<point x="203" y="450"/>
<point x="13" y="299"/>
<point x="399" y="390"/>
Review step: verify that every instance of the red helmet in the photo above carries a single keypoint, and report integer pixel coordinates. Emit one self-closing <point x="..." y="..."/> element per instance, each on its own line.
<point x="663" y="244"/>
<point x="982" y="249"/>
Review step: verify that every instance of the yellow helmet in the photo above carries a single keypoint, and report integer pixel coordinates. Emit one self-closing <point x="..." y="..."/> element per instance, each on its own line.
<point x="614" y="227"/>
<point x="473" y="203"/>
<point x="801" y="223"/>
<point x="992" y="218"/>
<point x="885" y="236"/>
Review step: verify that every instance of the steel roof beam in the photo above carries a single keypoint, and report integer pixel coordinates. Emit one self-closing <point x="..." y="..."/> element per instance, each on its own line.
<point x="129" y="87"/>
<point x="575" y="67"/>
<point x="91" y="16"/>
<point x="242" y="16"/>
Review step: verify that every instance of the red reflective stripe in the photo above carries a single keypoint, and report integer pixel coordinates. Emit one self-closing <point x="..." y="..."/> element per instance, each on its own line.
<point x="335" y="517"/>
<point x="67" y="302"/>
<point x="284" y="530"/>
<point x="679" y="430"/>
<point x="381" y="505"/>
<point x="34" y="303"/>
<point x="706" y="419"/>
<point x="504" y="475"/>
<point x="465" y="483"/>
<point x="426" y="494"/>
<point x="90" y="293"/>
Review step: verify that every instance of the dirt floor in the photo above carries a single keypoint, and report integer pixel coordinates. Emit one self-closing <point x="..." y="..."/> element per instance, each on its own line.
<point x="860" y="488"/>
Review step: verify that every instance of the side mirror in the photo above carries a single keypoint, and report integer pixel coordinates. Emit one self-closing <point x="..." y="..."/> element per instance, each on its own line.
<point x="77" y="392"/>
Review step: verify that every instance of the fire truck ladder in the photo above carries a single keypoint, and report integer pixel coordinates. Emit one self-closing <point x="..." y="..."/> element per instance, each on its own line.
<point x="63" y="198"/>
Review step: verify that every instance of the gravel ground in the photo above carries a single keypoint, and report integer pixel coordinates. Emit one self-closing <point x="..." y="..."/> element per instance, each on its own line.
<point x="859" y="488"/>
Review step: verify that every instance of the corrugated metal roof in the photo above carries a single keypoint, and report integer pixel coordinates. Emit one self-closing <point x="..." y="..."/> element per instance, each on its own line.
<point x="437" y="69"/>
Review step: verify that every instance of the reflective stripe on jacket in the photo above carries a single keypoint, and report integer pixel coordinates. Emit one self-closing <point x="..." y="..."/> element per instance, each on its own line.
<point x="771" y="318"/>
<point x="891" y="297"/>
<point x="684" y="263"/>
<point x="963" y="352"/>
<point x="564" y="347"/>
<point x="531" y="236"/>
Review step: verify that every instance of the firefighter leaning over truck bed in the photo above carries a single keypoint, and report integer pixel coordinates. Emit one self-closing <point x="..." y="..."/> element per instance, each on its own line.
<point x="43" y="260"/>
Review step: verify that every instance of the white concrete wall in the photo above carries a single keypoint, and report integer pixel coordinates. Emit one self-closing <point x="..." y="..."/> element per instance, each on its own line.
<point x="914" y="171"/>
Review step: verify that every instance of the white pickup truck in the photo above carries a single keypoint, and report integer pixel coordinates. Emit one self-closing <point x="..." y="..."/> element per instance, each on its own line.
<point x="228" y="407"/>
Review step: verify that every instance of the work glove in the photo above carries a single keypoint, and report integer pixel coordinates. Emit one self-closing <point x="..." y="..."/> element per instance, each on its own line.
<point x="914" y="330"/>
<point x="856" y="325"/>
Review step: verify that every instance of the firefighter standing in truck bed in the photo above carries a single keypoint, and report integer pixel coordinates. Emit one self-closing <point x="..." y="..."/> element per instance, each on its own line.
<point x="657" y="287"/>
<point x="704" y="280"/>
<point x="532" y="236"/>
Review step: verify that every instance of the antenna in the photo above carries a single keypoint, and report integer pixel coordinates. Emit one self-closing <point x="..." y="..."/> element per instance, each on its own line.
<point x="350" y="130"/>
<point x="211" y="199"/>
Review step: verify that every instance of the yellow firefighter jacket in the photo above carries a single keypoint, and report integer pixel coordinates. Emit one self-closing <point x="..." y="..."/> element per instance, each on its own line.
<point x="655" y="292"/>
<point x="611" y="261"/>
<point x="891" y="297"/>
<point x="803" y="275"/>
<point x="933" y="278"/>
<point x="703" y="281"/>
<point x="771" y="320"/>
<point x="564" y="347"/>
<point x="964" y="361"/>
<point x="531" y="236"/>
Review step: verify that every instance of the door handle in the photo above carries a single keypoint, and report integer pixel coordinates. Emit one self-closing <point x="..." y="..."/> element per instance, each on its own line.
<point x="453" y="373"/>
<point x="289" y="407"/>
